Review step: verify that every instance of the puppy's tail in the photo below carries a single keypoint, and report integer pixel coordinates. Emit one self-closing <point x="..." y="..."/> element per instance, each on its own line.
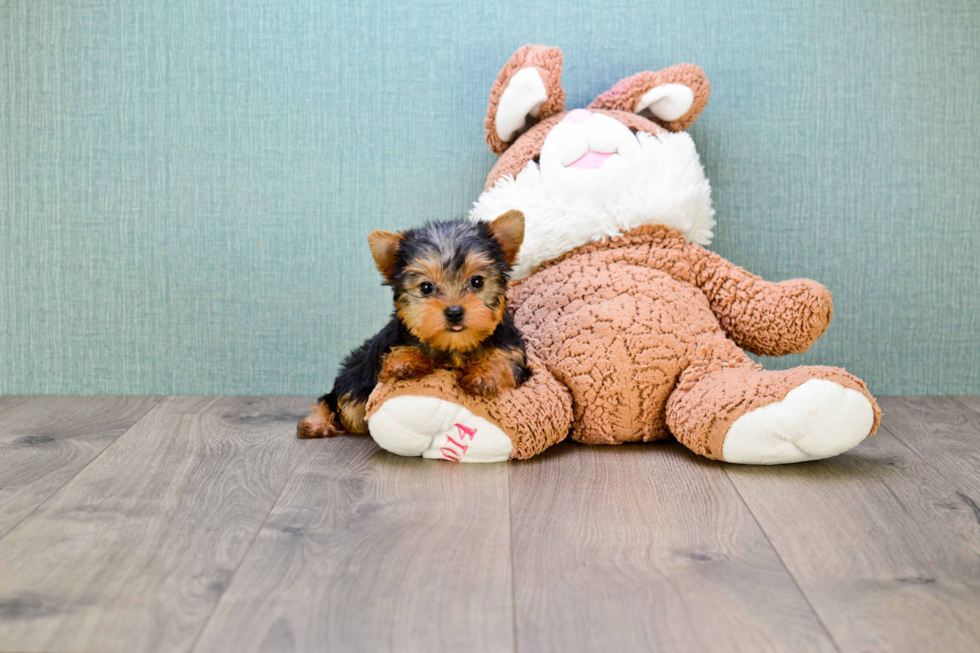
<point x="322" y="422"/>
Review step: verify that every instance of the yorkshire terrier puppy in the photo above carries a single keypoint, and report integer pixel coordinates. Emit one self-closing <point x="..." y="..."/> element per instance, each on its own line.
<point x="450" y="283"/>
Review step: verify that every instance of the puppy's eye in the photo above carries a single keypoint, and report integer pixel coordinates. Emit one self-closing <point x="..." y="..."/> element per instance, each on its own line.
<point x="426" y="288"/>
<point x="476" y="282"/>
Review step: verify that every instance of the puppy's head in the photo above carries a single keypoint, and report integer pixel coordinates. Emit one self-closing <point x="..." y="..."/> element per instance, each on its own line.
<point x="450" y="278"/>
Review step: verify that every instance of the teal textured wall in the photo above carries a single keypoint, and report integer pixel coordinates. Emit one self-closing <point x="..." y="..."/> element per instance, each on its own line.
<point x="186" y="186"/>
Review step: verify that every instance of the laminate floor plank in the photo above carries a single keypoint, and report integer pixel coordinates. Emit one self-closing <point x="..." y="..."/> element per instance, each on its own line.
<point x="46" y="440"/>
<point x="970" y="401"/>
<point x="133" y="553"/>
<point x="945" y="431"/>
<point x="882" y="546"/>
<point x="368" y="551"/>
<point x="201" y="523"/>
<point x="646" y="548"/>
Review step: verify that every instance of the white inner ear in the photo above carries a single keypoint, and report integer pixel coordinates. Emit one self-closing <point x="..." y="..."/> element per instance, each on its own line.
<point x="523" y="97"/>
<point x="668" y="102"/>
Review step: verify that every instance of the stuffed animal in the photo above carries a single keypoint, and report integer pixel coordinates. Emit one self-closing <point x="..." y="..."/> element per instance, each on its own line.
<point x="634" y="331"/>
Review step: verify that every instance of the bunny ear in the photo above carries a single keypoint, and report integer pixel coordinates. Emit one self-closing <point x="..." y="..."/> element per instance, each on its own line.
<point x="673" y="97"/>
<point x="528" y="89"/>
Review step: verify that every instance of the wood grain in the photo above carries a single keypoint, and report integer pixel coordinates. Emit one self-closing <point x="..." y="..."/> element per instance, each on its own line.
<point x="945" y="431"/>
<point x="368" y="551"/>
<point x="970" y="401"/>
<point x="881" y="544"/>
<point x="134" y="552"/>
<point x="45" y="441"/>
<point x="646" y="547"/>
<point x="191" y="531"/>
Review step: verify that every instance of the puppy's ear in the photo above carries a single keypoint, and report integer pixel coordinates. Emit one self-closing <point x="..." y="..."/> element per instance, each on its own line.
<point x="508" y="229"/>
<point x="384" y="249"/>
<point x="528" y="89"/>
<point x="673" y="97"/>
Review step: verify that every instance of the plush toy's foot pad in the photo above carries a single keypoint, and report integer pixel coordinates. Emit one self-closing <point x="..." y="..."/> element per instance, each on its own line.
<point x="815" y="420"/>
<point x="433" y="417"/>
<point x="408" y="425"/>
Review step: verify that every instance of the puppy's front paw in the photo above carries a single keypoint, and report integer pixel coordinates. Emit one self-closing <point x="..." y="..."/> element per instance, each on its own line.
<point x="481" y="385"/>
<point x="484" y="381"/>
<point x="405" y="363"/>
<point x="490" y="375"/>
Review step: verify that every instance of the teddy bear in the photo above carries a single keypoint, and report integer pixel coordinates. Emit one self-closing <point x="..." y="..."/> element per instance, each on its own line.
<point x="635" y="332"/>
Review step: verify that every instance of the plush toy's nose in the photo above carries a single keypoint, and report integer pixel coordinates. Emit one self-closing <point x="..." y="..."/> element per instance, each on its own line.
<point x="578" y="116"/>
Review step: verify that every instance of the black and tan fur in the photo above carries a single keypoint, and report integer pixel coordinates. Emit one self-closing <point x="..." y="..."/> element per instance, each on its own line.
<point x="450" y="282"/>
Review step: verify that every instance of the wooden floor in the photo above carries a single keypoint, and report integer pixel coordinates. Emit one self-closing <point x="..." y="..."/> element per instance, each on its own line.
<point x="201" y="524"/>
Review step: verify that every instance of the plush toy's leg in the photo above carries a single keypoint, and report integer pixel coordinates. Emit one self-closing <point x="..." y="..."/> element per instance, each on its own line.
<point x="727" y="408"/>
<point x="417" y="425"/>
<point x="433" y="418"/>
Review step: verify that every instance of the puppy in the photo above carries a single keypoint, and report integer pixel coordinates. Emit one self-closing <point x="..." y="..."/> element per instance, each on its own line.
<point x="450" y="283"/>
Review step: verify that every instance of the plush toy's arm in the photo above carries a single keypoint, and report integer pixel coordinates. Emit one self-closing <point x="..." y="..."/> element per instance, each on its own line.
<point x="762" y="317"/>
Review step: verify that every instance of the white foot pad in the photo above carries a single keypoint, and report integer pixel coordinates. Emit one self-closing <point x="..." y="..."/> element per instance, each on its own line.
<point x="818" y="419"/>
<point x="435" y="428"/>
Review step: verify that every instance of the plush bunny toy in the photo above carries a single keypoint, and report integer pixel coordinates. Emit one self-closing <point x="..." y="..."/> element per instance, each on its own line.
<point x="635" y="331"/>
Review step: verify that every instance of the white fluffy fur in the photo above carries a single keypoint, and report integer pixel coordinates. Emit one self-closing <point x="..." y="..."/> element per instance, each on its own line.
<point x="649" y="180"/>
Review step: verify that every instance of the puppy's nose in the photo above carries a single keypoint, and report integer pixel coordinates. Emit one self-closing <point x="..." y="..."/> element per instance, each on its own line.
<point x="454" y="313"/>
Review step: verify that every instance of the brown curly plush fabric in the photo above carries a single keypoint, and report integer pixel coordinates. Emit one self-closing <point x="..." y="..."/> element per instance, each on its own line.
<point x="548" y="63"/>
<point x="625" y="322"/>
<point x="534" y="416"/>
<point x="641" y="337"/>
<point x="625" y="95"/>
<point x="712" y="394"/>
